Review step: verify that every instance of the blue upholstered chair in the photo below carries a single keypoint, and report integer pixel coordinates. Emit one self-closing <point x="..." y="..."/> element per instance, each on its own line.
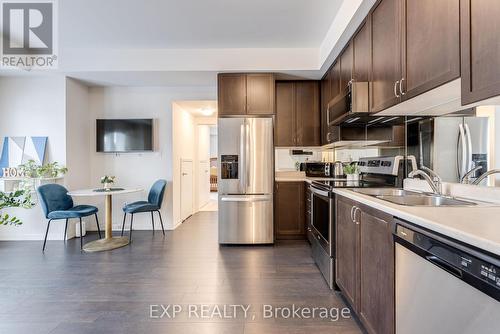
<point x="57" y="204"/>
<point x="153" y="204"/>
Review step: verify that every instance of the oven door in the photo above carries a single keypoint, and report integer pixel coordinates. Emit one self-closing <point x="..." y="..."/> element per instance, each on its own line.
<point x="322" y="213"/>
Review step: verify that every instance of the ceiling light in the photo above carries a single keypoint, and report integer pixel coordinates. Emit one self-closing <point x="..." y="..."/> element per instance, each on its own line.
<point x="207" y="111"/>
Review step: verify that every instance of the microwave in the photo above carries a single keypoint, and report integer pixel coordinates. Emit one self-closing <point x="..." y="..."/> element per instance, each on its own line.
<point x="317" y="169"/>
<point x="347" y="108"/>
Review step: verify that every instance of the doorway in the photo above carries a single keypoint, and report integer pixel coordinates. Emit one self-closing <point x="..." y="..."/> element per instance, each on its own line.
<point x="193" y="126"/>
<point x="210" y="185"/>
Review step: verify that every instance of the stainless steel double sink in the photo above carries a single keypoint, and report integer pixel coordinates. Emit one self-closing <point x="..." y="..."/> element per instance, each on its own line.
<point x="413" y="198"/>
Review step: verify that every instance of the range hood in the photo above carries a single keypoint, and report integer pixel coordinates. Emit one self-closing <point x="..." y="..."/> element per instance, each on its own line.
<point x="353" y="144"/>
<point x="350" y="123"/>
<point x="362" y="135"/>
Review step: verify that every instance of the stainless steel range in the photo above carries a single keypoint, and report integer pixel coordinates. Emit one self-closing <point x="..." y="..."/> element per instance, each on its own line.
<point x="375" y="173"/>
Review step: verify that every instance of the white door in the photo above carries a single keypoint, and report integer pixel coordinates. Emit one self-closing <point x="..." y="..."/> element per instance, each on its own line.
<point x="186" y="188"/>
<point x="203" y="183"/>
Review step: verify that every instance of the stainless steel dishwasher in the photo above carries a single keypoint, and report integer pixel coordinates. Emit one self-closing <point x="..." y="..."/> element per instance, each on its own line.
<point x="444" y="286"/>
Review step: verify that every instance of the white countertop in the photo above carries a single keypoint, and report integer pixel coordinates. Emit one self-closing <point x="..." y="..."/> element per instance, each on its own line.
<point x="476" y="226"/>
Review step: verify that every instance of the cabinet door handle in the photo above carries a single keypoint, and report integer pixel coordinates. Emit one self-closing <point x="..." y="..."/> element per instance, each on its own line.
<point x="352" y="213"/>
<point x="396" y="88"/>
<point x="355" y="221"/>
<point x="401" y="87"/>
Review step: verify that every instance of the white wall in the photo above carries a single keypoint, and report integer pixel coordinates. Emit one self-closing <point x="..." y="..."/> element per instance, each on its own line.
<point x="34" y="106"/>
<point x="213" y="146"/>
<point x="78" y="146"/>
<point x="285" y="161"/>
<point x="184" y="136"/>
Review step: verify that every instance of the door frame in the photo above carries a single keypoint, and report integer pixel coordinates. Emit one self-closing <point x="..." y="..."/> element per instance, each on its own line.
<point x="180" y="189"/>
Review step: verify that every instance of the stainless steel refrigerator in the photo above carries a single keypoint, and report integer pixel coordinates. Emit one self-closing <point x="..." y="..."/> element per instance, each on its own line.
<point x="246" y="176"/>
<point x="462" y="143"/>
<point x="451" y="146"/>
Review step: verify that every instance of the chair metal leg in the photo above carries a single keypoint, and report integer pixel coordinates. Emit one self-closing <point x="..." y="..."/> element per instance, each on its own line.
<point x="153" y="222"/>
<point x="131" y="223"/>
<point x="81" y="234"/>
<point x="98" y="228"/>
<point x="161" y="221"/>
<point x="123" y="224"/>
<point x="46" y="233"/>
<point x="65" y="229"/>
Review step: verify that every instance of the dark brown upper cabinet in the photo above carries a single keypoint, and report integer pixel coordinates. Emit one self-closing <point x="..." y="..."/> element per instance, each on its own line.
<point x="289" y="210"/>
<point x="362" y="63"/>
<point x="325" y="99"/>
<point x="346" y="66"/>
<point x="232" y="91"/>
<point x="285" y="134"/>
<point x="386" y="54"/>
<point x="431" y="45"/>
<point x="245" y="94"/>
<point x="297" y="113"/>
<point x="308" y="124"/>
<point x="480" y="28"/>
<point x="260" y="94"/>
<point x="335" y="80"/>
<point x="415" y="48"/>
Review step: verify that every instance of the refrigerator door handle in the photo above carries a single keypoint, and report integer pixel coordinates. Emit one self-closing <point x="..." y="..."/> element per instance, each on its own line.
<point x="247" y="154"/>
<point x="469" y="147"/>
<point x="462" y="163"/>
<point x="420" y="147"/>
<point x="246" y="198"/>
<point x="243" y="158"/>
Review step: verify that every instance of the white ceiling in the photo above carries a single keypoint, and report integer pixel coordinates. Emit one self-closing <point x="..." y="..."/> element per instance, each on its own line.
<point x="187" y="42"/>
<point x="188" y="24"/>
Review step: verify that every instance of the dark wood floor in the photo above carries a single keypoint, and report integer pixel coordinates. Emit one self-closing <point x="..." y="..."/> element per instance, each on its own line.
<point x="66" y="291"/>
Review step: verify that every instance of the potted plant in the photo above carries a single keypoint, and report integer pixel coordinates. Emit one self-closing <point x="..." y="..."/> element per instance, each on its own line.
<point x="31" y="169"/>
<point x="107" y="181"/>
<point x="16" y="199"/>
<point x="352" y="172"/>
<point x="51" y="170"/>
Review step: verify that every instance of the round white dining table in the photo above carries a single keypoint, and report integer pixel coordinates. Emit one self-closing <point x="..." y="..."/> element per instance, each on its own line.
<point x="109" y="242"/>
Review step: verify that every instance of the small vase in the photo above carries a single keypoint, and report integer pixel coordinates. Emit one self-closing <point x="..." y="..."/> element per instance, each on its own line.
<point x="107" y="186"/>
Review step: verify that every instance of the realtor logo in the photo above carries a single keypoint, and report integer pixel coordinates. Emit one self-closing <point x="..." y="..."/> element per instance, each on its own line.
<point x="28" y="34"/>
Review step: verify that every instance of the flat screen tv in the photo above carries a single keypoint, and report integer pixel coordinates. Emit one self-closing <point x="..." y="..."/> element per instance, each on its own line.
<point x="124" y="135"/>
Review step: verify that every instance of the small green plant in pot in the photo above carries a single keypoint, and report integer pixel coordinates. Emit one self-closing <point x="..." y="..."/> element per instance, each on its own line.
<point x="16" y="199"/>
<point x="352" y="172"/>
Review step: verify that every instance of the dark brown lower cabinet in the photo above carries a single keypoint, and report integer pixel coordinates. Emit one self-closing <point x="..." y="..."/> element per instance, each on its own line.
<point x="289" y="211"/>
<point x="365" y="264"/>
<point x="347" y="251"/>
<point x="376" y="297"/>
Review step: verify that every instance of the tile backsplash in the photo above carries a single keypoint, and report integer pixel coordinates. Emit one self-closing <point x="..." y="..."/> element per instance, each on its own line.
<point x="286" y="161"/>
